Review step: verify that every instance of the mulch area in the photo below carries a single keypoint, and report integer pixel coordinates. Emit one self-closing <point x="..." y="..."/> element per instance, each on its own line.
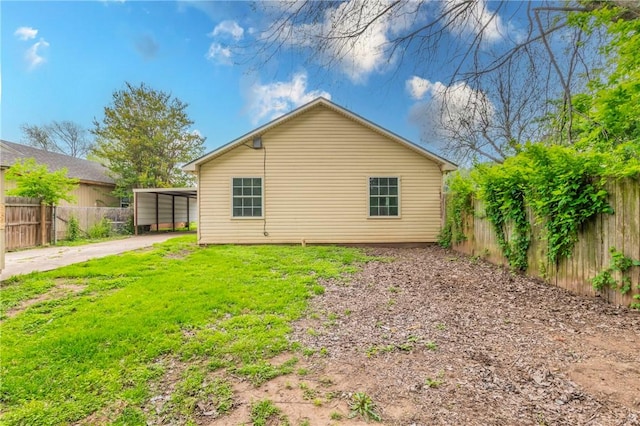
<point x="435" y="337"/>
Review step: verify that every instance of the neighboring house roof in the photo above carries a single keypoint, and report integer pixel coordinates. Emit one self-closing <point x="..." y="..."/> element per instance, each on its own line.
<point x="445" y="165"/>
<point x="84" y="170"/>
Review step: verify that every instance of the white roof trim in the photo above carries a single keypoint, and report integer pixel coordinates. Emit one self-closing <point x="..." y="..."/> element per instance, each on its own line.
<point x="444" y="164"/>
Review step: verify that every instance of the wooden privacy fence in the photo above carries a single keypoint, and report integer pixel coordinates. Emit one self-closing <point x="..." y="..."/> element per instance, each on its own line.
<point x="90" y="216"/>
<point x="590" y="254"/>
<point x="24" y="217"/>
<point x="23" y="223"/>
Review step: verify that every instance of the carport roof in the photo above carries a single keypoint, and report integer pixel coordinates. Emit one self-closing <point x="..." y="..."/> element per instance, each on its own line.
<point x="184" y="192"/>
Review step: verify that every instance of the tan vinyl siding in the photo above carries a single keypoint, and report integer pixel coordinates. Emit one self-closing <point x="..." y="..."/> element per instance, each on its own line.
<point x="316" y="186"/>
<point x="86" y="195"/>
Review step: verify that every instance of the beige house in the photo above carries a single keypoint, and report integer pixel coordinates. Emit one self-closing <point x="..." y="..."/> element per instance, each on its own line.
<point x="320" y="174"/>
<point x="95" y="185"/>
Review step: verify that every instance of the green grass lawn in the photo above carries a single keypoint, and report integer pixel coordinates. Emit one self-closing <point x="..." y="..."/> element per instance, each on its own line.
<point x="97" y="349"/>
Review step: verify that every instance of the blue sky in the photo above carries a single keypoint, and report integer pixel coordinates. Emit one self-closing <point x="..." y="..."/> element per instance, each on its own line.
<point x="64" y="60"/>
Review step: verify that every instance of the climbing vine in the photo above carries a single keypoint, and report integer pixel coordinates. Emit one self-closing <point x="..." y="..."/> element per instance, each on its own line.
<point x="560" y="187"/>
<point x="503" y="192"/>
<point x="565" y="190"/>
<point x="459" y="204"/>
<point x="622" y="264"/>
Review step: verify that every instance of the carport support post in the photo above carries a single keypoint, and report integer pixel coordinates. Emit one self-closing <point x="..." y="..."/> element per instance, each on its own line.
<point x="157" y="217"/>
<point x="135" y="213"/>
<point x="188" y="218"/>
<point x="173" y="213"/>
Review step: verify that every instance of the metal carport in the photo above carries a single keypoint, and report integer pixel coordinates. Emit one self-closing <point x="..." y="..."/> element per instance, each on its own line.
<point x="164" y="207"/>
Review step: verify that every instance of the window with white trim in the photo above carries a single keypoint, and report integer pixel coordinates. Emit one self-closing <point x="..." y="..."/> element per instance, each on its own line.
<point x="247" y="197"/>
<point x="384" y="198"/>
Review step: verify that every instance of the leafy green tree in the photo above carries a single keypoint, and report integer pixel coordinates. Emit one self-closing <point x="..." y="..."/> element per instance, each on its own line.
<point x="144" y="138"/>
<point x="34" y="180"/>
<point x="607" y="117"/>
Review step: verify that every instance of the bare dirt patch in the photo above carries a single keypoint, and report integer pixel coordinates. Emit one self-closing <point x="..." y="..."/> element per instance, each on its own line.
<point x="436" y="338"/>
<point x="57" y="292"/>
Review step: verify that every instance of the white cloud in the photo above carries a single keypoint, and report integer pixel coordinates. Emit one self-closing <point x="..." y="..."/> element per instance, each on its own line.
<point x="26" y="33"/>
<point x="33" y="55"/>
<point x="228" y="28"/>
<point x="441" y="108"/>
<point x="478" y="19"/>
<point x="359" y="56"/>
<point x="270" y="101"/>
<point x="219" y="54"/>
<point x="418" y="87"/>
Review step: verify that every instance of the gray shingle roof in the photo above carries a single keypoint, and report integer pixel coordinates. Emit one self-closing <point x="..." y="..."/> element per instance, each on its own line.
<point x="85" y="170"/>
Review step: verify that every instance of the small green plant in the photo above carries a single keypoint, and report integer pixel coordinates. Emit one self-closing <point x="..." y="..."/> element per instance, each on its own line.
<point x="362" y="405"/>
<point x="336" y="416"/>
<point x="431" y="345"/>
<point x="324" y="352"/>
<point x="303" y="371"/>
<point x="308" y="393"/>
<point x="434" y="382"/>
<point x="73" y="229"/>
<point x="325" y="381"/>
<point x="264" y="412"/>
<point x="620" y="264"/>
<point x="102" y="229"/>
<point x="312" y="332"/>
<point x="318" y="290"/>
<point x="441" y="326"/>
<point x="308" y="352"/>
<point x="406" y="347"/>
<point x="262" y="371"/>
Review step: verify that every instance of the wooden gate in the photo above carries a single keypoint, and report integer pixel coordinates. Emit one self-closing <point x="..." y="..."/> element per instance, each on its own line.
<point x="23" y="223"/>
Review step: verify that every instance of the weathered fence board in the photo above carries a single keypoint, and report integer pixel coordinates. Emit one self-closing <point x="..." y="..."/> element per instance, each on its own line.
<point x="89" y="216"/>
<point x="23" y="223"/>
<point x="590" y="254"/>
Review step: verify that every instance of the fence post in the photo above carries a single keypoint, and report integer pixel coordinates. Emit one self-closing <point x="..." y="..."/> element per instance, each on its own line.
<point x="43" y="224"/>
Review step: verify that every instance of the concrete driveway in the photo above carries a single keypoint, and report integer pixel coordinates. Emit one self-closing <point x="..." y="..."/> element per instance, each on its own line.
<point x="47" y="258"/>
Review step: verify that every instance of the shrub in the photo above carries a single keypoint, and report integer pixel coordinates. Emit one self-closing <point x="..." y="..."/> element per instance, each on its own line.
<point x="73" y="229"/>
<point x="101" y="229"/>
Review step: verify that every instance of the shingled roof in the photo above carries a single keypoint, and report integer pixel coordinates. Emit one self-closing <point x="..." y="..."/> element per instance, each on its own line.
<point x="85" y="170"/>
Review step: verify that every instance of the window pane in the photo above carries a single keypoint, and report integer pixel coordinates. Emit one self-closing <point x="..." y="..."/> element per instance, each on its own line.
<point x="237" y="182"/>
<point x="393" y="190"/>
<point x="393" y="181"/>
<point x="384" y="190"/>
<point x="257" y="182"/>
<point x="373" y="211"/>
<point x="384" y="211"/>
<point x="374" y="190"/>
<point x="393" y="211"/>
<point x="383" y="181"/>
<point x="373" y="182"/>
<point x="237" y="211"/>
<point x="237" y="191"/>
<point x="257" y="211"/>
<point x="257" y="191"/>
<point x="393" y="201"/>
